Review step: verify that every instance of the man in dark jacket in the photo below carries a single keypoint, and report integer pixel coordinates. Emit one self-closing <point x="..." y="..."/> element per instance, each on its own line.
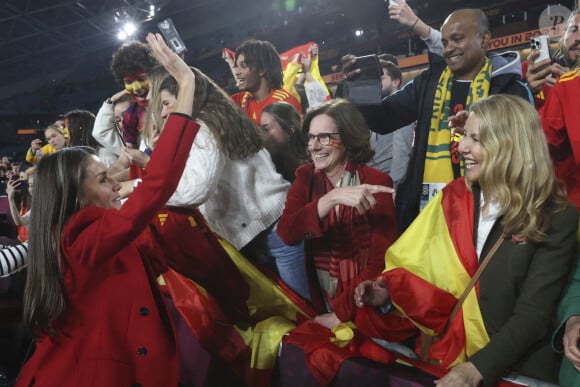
<point x="448" y="86"/>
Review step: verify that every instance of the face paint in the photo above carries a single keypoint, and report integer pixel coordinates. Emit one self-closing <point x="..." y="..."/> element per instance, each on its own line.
<point x="334" y="143"/>
<point x="137" y="84"/>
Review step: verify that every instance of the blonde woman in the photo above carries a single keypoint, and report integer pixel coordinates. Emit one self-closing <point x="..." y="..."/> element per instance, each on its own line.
<point x="509" y="198"/>
<point x="57" y="138"/>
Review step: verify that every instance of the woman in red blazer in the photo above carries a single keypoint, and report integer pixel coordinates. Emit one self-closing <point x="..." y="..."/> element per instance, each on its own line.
<point x="90" y="300"/>
<point x="340" y="208"/>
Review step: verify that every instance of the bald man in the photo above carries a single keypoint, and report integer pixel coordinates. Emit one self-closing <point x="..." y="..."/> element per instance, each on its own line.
<point x="464" y="74"/>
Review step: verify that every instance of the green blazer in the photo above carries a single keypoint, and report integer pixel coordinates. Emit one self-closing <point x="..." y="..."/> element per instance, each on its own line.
<point x="569" y="306"/>
<point x="518" y="294"/>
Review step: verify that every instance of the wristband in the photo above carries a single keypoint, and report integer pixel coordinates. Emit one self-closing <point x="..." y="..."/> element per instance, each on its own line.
<point x="386" y="308"/>
<point x="414" y="24"/>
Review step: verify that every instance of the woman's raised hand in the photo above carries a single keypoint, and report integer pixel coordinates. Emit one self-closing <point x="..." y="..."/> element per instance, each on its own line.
<point x="178" y="69"/>
<point x="168" y="59"/>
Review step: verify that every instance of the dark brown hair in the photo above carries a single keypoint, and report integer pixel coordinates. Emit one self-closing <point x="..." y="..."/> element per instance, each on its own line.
<point x="55" y="198"/>
<point x="261" y="56"/>
<point x="236" y="134"/>
<point x="289" y="120"/>
<point x="130" y="58"/>
<point x="354" y="132"/>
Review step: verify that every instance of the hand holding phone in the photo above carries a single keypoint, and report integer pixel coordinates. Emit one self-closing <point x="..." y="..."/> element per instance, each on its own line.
<point x="540" y="43"/>
<point x="36" y="144"/>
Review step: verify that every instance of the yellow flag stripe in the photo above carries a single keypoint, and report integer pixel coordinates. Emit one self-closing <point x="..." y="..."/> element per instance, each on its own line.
<point x="433" y="258"/>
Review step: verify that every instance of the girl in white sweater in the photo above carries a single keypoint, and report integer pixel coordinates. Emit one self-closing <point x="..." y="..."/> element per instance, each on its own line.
<point x="230" y="176"/>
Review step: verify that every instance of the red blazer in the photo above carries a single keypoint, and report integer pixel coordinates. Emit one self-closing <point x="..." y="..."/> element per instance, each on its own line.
<point x="116" y="330"/>
<point x="300" y="221"/>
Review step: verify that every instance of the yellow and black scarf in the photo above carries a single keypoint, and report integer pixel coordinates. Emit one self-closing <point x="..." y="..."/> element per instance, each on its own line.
<point x="438" y="167"/>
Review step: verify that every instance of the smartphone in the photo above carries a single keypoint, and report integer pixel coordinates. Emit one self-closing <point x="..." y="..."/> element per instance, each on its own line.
<point x="392" y="3"/>
<point x="540" y="43"/>
<point x="23" y="185"/>
<point x="171" y="36"/>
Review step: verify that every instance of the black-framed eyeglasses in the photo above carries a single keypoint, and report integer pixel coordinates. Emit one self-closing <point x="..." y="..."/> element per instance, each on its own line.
<point x="322" y="138"/>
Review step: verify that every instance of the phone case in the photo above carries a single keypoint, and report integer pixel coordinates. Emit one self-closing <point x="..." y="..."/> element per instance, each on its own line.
<point x="540" y="43"/>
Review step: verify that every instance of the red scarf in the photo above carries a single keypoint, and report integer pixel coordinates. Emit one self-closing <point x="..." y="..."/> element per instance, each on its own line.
<point x="345" y="248"/>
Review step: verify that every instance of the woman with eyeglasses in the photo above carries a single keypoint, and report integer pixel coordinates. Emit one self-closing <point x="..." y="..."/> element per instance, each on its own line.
<point x="340" y="208"/>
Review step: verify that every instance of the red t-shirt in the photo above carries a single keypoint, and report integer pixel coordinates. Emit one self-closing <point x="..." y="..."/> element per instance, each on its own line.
<point x="253" y="108"/>
<point x="561" y="121"/>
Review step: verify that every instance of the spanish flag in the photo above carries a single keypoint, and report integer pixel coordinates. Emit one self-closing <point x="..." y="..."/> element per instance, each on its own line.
<point x="291" y="66"/>
<point x="236" y="311"/>
<point x="426" y="271"/>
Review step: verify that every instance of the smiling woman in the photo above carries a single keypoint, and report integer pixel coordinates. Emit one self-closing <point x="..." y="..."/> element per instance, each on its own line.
<point x="84" y="248"/>
<point x="506" y="236"/>
<point x="342" y="209"/>
<point x="470" y="148"/>
<point x="97" y="189"/>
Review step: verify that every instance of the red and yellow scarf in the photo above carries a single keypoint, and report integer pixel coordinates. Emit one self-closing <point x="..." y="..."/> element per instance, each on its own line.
<point x="345" y="249"/>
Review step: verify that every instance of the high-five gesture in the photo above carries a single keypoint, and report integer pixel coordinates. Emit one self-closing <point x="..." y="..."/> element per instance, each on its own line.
<point x="178" y="69"/>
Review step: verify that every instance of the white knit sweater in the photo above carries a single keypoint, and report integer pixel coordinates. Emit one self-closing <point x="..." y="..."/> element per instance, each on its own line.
<point x="238" y="198"/>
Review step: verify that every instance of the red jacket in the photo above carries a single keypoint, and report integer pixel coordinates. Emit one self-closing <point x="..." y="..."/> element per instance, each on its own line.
<point x="561" y="121"/>
<point x="300" y="221"/>
<point x="116" y="330"/>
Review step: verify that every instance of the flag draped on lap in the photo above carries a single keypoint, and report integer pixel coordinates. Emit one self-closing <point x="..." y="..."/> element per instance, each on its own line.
<point x="427" y="270"/>
<point x="245" y="330"/>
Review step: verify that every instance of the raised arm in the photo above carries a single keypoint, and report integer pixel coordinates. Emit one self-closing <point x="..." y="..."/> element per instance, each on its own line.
<point x="112" y="229"/>
<point x="405" y="15"/>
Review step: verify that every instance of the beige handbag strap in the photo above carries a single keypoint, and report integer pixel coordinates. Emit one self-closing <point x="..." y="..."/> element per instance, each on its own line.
<point x="474" y="279"/>
<point x="427" y="341"/>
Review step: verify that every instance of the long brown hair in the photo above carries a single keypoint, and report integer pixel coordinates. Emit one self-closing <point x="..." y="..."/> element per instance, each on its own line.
<point x="236" y="134"/>
<point x="55" y="198"/>
<point x="289" y="120"/>
<point x="80" y="126"/>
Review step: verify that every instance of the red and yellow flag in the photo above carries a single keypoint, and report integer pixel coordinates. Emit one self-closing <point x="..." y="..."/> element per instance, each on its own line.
<point x="208" y="279"/>
<point x="429" y="267"/>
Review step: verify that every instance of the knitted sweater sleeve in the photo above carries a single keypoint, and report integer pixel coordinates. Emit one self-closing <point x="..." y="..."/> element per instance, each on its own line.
<point x="202" y="171"/>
